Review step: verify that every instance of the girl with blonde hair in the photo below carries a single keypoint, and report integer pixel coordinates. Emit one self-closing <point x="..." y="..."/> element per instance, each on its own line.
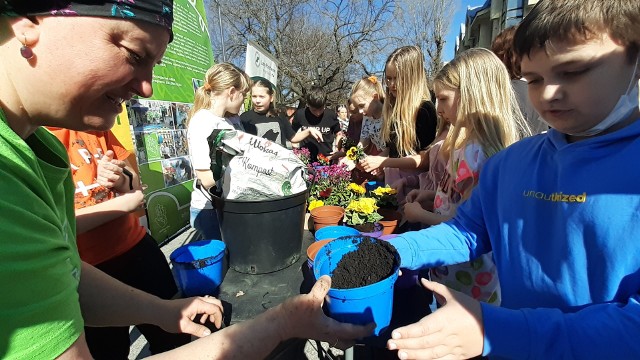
<point x="474" y="94"/>
<point x="216" y="106"/>
<point x="367" y="95"/>
<point x="409" y="117"/>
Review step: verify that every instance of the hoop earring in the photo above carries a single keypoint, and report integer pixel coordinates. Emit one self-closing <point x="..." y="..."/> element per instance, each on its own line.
<point x="25" y="50"/>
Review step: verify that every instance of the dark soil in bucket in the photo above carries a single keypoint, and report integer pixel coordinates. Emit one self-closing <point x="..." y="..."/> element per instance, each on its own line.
<point x="372" y="261"/>
<point x="366" y="227"/>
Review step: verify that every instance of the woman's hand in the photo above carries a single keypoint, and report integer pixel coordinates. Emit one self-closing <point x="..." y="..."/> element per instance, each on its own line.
<point x="303" y="318"/>
<point x="177" y="316"/>
<point x="454" y="331"/>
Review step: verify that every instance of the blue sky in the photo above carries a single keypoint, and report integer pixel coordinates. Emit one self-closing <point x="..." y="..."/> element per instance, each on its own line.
<point x="454" y="27"/>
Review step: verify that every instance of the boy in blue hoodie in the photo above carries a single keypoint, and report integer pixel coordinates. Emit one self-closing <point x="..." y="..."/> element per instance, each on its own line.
<point x="565" y="236"/>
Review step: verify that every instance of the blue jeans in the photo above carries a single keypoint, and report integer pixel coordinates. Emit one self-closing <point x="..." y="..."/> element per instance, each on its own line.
<point x="206" y="222"/>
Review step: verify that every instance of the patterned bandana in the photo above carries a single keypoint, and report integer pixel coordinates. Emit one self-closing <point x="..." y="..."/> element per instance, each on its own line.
<point x="159" y="12"/>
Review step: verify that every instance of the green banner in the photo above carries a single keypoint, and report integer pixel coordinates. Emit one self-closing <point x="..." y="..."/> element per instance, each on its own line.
<point x="159" y="122"/>
<point x="188" y="56"/>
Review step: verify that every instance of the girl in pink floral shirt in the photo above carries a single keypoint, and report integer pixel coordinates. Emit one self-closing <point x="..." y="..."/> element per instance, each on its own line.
<point x="473" y="94"/>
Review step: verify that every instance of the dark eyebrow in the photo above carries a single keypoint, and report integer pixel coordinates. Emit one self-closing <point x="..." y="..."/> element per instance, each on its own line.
<point x="571" y="63"/>
<point x="581" y="62"/>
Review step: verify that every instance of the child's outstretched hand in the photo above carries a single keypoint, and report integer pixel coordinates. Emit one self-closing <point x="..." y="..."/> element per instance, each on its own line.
<point x="372" y="163"/>
<point x="453" y="332"/>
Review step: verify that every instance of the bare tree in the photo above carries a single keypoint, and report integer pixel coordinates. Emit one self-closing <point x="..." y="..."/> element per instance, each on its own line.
<point x="315" y="42"/>
<point x="425" y="23"/>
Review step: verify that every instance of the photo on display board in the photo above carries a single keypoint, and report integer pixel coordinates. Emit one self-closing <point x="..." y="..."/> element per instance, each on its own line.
<point x="176" y="171"/>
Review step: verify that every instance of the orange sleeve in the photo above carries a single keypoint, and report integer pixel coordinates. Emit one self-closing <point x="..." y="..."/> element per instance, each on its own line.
<point x="113" y="144"/>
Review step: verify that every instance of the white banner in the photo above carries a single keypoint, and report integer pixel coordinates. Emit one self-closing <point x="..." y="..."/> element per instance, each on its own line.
<point x="260" y="63"/>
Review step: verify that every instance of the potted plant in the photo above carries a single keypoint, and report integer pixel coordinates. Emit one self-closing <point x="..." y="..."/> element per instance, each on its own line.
<point x="385" y="197"/>
<point x="362" y="214"/>
<point x="331" y="185"/>
<point x="387" y="202"/>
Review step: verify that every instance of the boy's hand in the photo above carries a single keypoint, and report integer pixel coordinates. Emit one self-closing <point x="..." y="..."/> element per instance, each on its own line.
<point x="316" y="134"/>
<point x="453" y="332"/>
<point x="110" y="173"/>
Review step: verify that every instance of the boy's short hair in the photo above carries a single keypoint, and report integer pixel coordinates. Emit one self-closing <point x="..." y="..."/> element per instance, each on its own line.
<point x="316" y="97"/>
<point x="578" y="20"/>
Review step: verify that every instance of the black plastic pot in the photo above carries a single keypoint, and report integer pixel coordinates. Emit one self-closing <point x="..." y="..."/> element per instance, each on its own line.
<point x="262" y="236"/>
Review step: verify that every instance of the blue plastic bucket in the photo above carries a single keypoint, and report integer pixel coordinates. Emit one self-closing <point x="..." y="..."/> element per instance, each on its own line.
<point x="335" y="231"/>
<point x="372" y="185"/>
<point x="363" y="305"/>
<point x="198" y="268"/>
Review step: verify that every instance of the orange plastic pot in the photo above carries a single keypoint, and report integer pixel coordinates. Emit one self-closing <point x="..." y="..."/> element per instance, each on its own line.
<point x="313" y="249"/>
<point x="326" y="215"/>
<point x="390" y="220"/>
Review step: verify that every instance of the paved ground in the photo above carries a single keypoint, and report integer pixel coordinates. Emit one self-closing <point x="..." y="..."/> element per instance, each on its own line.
<point x="140" y="350"/>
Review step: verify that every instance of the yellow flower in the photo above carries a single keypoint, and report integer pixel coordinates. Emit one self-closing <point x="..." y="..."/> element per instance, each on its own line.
<point x="351" y="153"/>
<point x="368" y="205"/>
<point x="357" y="188"/>
<point x="363" y="206"/>
<point x="384" y="191"/>
<point x="315" y="203"/>
<point x="354" y="205"/>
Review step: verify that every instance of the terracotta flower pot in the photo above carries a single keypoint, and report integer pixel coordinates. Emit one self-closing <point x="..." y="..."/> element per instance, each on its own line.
<point x="390" y="220"/>
<point x="326" y="215"/>
<point x="313" y="249"/>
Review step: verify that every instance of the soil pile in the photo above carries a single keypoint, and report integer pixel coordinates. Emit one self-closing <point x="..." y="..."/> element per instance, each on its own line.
<point x="372" y="261"/>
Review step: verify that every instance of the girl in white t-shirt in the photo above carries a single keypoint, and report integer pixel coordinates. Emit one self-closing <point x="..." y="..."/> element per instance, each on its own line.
<point x="216" y="106"/>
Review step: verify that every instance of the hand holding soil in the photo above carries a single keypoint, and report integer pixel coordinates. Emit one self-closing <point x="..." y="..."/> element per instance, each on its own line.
<point x="453" y="331"/>
<point x="371" y="262"/>
<point x="303" y="318"/>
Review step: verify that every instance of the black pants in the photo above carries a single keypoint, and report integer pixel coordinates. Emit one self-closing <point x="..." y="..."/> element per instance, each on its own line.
<point x="143" y="267"/>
